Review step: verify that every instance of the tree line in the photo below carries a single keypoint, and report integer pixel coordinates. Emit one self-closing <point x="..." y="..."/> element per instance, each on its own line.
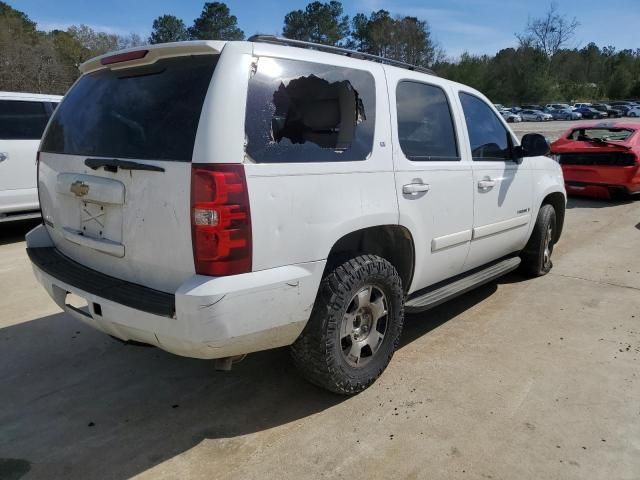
<point x="542" y="67"/>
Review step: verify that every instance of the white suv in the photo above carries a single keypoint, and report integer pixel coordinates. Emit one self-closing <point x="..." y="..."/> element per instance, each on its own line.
<point x="23" y="117"/>
<point x="219" y="198"/>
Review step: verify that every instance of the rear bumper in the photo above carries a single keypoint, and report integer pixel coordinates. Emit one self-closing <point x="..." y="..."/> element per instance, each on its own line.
<point x="205" y="318"/>
<point x="588" y="180"/>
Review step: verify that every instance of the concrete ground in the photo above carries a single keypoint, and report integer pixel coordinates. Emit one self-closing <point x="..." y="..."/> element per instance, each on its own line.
<point x="520" y="379"/>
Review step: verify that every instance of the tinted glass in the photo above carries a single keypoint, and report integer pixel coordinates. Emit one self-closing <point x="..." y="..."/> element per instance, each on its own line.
<point x="309" y="112"/>
<point x="148" y="112"/>
<point x="22" y="120"/>
<point x="425" y="125"/>
<point x="488" y="137"/>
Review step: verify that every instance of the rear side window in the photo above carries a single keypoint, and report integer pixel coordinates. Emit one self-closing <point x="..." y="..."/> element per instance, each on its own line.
<point x="425" y="126"/>
<point x="309" y="112"/>
<point x="23" y="120"/>
<point x="149" y="112"/>
<point x="487" y="135"/>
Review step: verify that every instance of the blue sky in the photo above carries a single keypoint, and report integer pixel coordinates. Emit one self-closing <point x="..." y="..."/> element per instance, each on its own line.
<point x="476" y="26"/>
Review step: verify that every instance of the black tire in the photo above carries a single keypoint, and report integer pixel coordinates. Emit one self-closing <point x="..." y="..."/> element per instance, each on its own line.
<point x="319" y="352"/>
<point x="536" y="256"/>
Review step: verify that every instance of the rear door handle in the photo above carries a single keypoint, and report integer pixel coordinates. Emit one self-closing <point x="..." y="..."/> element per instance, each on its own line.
<point x="486" y="184"/>
<point x="415" y="188"/>
<point x="3" y="156"/>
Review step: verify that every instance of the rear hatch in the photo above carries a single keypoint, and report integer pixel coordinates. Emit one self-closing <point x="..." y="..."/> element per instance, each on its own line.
<point x="115" y="165"/>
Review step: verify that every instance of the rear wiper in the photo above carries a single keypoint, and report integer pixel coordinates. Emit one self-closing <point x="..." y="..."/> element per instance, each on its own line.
<point x="113" y="165"/>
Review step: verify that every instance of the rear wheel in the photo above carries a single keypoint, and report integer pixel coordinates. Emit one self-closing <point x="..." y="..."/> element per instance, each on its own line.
<point x="536" y="256"/>
<point x="354" y="328"/>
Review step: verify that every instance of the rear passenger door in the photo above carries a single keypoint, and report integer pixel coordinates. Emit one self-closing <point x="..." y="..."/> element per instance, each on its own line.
<point x="433" y="182"/>
<point x="502" y="187"/>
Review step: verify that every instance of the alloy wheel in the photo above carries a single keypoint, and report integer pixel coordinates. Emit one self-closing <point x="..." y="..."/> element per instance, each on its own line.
<point x="364" y="325"/>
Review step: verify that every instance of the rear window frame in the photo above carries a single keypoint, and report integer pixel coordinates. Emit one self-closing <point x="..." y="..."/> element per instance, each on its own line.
<point x="207" y="61"/>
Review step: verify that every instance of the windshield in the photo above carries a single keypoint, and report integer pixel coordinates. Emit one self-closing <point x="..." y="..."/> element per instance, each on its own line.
<point x="148" y="112"/>
<point x="604" y="134"/>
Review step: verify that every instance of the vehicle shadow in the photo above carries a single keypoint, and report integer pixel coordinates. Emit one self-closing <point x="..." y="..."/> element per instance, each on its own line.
<point x="12" y="232"/>
<point x="77" y="404"/>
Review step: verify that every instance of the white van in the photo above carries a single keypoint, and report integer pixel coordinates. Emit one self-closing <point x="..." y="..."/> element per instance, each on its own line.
<point x="23" y="118"/>
<point x="219" y="198"/>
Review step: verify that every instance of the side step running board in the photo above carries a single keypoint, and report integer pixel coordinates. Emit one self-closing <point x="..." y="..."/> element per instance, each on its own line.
<point x="446" y="292"/>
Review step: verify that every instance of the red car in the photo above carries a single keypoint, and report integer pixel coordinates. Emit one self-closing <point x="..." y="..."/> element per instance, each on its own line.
<point x="600" y="160"/>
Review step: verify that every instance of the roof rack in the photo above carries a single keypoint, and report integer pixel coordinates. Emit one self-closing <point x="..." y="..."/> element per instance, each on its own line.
<point x="338" y="50"/>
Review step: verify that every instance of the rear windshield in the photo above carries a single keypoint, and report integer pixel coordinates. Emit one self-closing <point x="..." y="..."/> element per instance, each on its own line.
<point x="586" y="134"/>
<point x="149" y="112"/>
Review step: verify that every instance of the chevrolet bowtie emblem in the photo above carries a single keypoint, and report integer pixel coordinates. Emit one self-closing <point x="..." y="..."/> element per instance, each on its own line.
<point x="79" y="188"/>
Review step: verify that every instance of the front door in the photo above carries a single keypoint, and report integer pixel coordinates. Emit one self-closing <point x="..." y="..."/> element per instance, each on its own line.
<point x="502" y="187"/>
<point x="433" y="182"/>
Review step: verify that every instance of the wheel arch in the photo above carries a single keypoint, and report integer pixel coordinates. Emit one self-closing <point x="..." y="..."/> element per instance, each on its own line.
<point x="391" y="242"/>
<point x="559" y="203"/>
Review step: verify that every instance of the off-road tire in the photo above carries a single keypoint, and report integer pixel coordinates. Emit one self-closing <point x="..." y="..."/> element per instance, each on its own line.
<point x="534" y="260"/>
<point x="318" y="352"/>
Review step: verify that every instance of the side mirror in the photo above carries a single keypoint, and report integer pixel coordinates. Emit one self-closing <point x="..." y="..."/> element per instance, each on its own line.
<point x="532" y="145"/>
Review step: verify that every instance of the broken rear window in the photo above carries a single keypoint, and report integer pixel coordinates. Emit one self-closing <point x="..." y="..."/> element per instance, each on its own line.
<point x="309" y="112"/>
<point x="600" y="133"/>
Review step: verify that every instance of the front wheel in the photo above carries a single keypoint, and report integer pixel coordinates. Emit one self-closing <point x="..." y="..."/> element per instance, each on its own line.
<point x="539" y="119"/>
<point x="536" y="256"/>
<point x="354" y="328"/>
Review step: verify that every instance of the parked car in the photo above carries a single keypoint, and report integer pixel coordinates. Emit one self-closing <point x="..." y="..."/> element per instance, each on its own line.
<point x="617" y="103"/>
<point x="295" y="197"/>
<point x="23" y="117"/>
<point x="556" y="106"/>
<point x="588" y="112"/>
<point x="604" y="108"/>
<point x="535" y="116"/>
<point x="633" y="112"/>
<point x="600" y="160"/>
<point x="623" y="109"/>
<point x="509" y="116"/>
<point x="581" y="105"/>
<point x="532" y="107"/>
<point x="564" y="114"/>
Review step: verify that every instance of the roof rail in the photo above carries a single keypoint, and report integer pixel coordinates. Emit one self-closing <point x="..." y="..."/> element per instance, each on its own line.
<point x="337" y="50"/>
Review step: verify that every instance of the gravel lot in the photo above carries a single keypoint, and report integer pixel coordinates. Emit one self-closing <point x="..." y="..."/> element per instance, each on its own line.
<point x="552" y="130"/>
<point x="520" y="379"/>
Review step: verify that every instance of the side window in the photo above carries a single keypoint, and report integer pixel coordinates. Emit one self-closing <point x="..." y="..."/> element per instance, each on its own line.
<point x="22" y="120"/>
<point x="425" y="126"/>
<point x="488" y="137"/>
<point x="309" y="112"/>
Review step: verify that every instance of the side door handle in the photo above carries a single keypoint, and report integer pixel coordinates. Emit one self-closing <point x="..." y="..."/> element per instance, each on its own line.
<point x="415" y="188"/>
<point x="3" y="156"/>
<point x="487" y="183"/>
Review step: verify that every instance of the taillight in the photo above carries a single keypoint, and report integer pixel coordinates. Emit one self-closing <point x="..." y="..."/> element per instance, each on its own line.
<point x="220" y="219"/>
